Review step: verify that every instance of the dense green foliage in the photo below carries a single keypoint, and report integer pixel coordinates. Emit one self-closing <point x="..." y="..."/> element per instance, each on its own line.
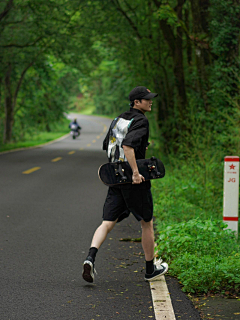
<point x="188" y="52"/>
<point x="78" y="53"/>
<point x="205" y="256"/>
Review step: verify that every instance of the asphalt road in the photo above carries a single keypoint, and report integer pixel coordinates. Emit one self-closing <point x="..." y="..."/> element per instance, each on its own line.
<point x="47" y="219"/>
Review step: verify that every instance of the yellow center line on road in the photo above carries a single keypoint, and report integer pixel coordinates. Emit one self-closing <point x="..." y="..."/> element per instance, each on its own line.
<point x="93" y="141"/>
<point x="88" y="145"/>
<point x="71" y="152"/>
<point x="98" y="137"/>
<point x="105" y="128"/>
<point x="56" y="159"/>
<point x="81" y="149"/>
<point x="31" y="170"/>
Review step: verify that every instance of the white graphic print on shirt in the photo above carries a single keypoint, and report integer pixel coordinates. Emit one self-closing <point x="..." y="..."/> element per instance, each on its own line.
<point x="117" y="135"/>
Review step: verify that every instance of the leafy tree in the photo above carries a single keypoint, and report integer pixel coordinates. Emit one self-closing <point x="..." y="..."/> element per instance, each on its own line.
<point x="176" y="48"/>
<point x="186" y="50"/>
<point x="30" y="30"/>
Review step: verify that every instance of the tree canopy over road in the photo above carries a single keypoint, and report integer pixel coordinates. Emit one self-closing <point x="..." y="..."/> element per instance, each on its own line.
<point x="187" y="50"/>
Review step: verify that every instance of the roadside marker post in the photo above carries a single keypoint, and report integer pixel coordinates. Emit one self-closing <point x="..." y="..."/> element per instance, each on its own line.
<point x="231" y="192"/>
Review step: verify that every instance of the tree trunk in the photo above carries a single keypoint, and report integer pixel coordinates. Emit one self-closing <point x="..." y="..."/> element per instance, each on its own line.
<point x="11" y="100"/>
<point x="48" y="127"/>
<point x="179" y="74"/>
<point x="178" y="65"/>
<point x="9" y="108"/>
<point x="174" y="41"/>
<point x="189" y="42"/>
<point x="199" y="9"/>
<point x="175" y="45"/>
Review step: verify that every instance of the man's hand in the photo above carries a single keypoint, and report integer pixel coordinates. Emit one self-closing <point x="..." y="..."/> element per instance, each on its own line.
<point x="130" y="155"/>
<point x="137" y="178"/>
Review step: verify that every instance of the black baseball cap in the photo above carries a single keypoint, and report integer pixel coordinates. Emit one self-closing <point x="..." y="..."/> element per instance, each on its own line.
<point x="141" y="92"/>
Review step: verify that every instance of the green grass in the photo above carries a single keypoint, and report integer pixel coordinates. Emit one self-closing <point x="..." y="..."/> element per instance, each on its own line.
<point x="90" y="111"/>
<point x="87" y="111"/>
<point x="39" y="137"/>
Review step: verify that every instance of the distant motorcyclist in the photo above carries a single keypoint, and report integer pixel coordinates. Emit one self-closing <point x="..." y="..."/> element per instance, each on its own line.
<point x="75" y="126"/>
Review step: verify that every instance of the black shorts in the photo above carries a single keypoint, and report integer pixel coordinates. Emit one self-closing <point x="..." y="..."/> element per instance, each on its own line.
<point x="135" y="198"/>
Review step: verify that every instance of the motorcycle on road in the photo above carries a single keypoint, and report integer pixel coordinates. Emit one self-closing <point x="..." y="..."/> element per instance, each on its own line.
<point x="75" y="131"/>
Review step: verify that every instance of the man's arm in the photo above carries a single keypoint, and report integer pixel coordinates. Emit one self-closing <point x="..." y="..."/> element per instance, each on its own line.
<point x="130" y="155"/>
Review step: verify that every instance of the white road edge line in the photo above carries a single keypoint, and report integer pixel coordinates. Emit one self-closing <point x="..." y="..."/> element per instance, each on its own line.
<point x="162" y="303"/>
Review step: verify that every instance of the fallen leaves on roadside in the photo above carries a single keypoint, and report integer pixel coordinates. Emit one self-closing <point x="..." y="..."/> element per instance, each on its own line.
<point x="131" y="239"/>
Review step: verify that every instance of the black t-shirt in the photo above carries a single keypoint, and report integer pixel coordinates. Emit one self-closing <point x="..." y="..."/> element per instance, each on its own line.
<point x="134" y="131"/>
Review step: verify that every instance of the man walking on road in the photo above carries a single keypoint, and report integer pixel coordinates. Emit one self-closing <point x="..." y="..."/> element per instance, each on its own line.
<point x="127" y="140"/>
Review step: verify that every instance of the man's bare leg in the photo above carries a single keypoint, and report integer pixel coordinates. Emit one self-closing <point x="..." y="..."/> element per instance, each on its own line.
<point x="101" y="233"/>
<point x="98" y="239"/>
<point x="152" y="271"/>
<point x="148" y="239"/>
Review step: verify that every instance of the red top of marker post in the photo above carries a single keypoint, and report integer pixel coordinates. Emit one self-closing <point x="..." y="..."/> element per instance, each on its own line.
<point x="232" y="158"/>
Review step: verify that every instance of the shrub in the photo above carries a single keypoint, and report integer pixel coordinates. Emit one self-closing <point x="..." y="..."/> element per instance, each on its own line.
<point x="203" y="254"/>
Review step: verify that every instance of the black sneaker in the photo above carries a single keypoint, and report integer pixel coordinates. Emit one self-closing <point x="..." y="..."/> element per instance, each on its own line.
<point x="159" y="270"/>
<point x="88" y="269"/>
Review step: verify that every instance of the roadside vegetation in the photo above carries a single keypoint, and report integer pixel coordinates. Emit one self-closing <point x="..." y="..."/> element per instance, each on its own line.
<point x="38" y="137"/>
<point x="191" y="237"/>
<point x="54" y="59"/>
